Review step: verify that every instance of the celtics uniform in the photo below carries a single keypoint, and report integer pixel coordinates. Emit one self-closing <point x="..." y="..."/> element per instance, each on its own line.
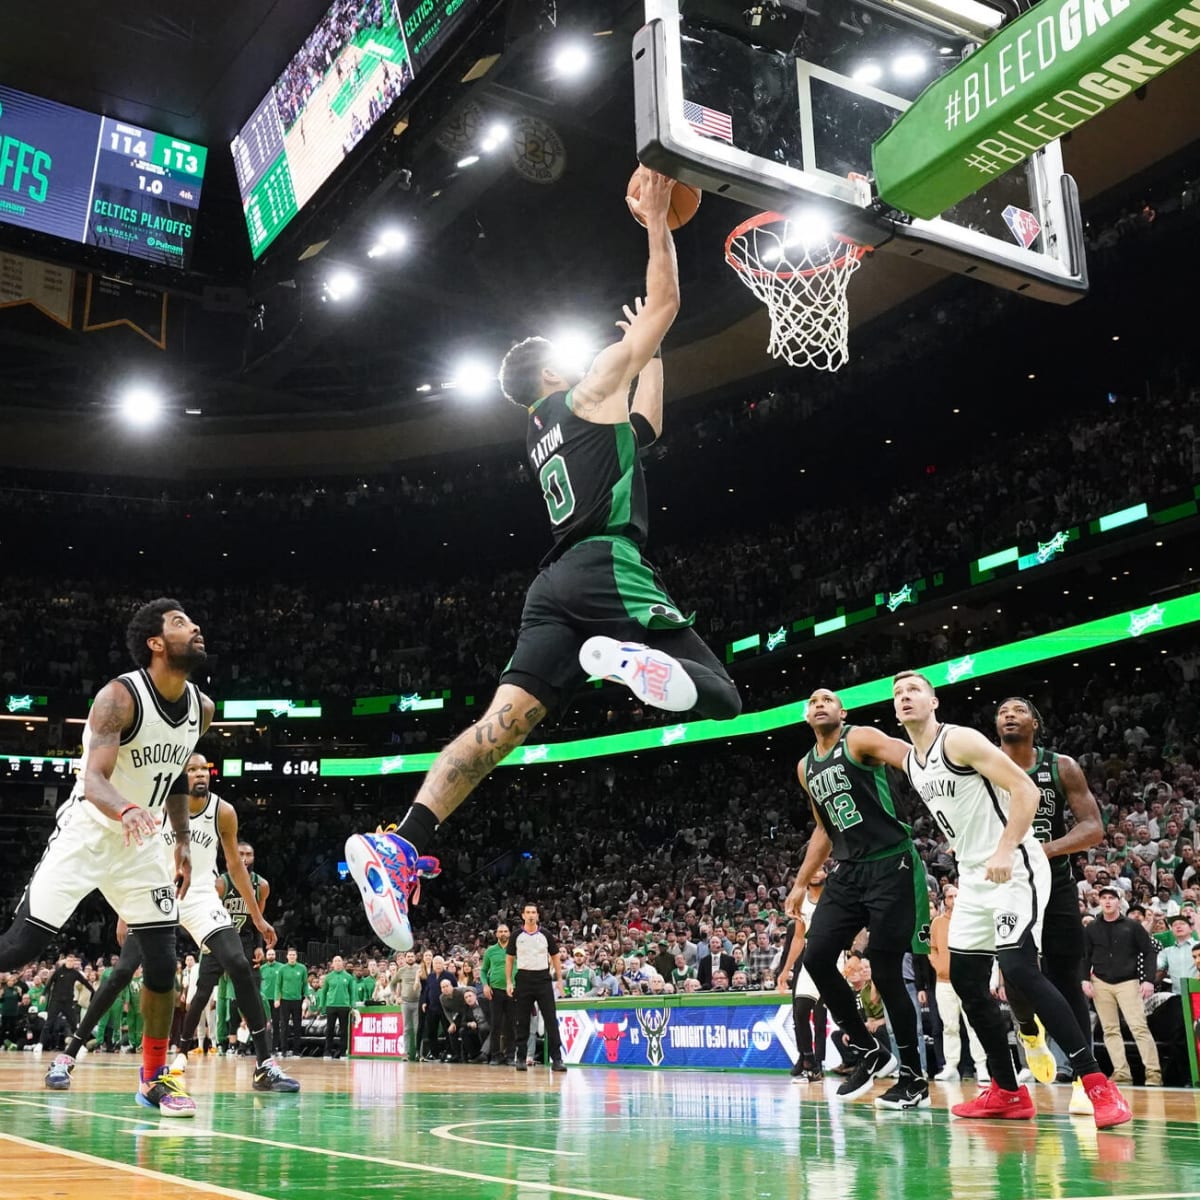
<point x="578" y="982"/>
<point x="877" y="879"/>
<point x="594" y="581"/>
<point x="235" y="906"/>
<point x="1062" y="929"/>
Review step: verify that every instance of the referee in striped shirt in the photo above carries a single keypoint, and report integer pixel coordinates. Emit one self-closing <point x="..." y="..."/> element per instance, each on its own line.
<point x="532" y="953"/>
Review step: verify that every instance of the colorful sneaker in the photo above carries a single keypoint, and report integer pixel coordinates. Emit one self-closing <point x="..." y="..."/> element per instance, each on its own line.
<point x="653" y="677"/>
<point x="994" y="1103"/>
<point x="1037" y="1054"/>
<point x="165" y="1091"/>
<point x="58" y="1078"/>
<point x="388" y="872"/>
<point x="1109" y="1107"/>
<point x="875" y="1063"/>
<point x="909" y="1091"/>
<point x="269" y="1078"/>
<point x="1080" y="1105"/>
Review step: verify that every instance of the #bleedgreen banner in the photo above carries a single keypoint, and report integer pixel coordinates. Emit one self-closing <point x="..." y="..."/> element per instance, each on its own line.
<point x="1055" y="67"/>
<point x="1078" y="639"/>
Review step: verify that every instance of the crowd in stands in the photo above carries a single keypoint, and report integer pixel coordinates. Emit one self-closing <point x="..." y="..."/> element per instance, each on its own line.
<point x="358" y="636"/>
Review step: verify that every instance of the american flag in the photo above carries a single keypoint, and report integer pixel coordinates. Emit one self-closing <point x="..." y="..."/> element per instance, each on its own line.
<point x="708" y="121"/>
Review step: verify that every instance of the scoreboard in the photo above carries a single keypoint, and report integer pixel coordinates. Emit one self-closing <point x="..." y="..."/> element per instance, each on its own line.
<point x="98" y="181"/>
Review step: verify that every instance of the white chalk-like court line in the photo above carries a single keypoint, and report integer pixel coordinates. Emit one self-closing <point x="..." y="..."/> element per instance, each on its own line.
<point x="444" y="1132"/>
<point x="553" y="1189"/>
<point x="198" y="1185"/>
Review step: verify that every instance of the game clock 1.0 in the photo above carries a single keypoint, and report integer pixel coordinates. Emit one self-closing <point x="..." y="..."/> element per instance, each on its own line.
<point x="97" y="180"/>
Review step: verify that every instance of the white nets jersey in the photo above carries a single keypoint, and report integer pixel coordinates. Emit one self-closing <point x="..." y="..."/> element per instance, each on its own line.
<point x="971" y="811"/>
<point x="205" y="838"/>
<point x="153" y="750"/>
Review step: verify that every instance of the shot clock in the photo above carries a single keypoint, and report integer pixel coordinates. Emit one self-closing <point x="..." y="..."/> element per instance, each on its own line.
<point x="98" y="181"/>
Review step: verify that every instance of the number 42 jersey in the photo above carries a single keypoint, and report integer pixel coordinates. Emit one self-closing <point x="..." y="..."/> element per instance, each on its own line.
<point x="854" y="804"/>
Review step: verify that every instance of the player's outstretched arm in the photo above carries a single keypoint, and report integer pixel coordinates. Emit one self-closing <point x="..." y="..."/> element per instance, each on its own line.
<point x="867" y="744"/>
<point x="227" y="826"/>
<point x="207" y="711"/>
<point x="1088" y="829"/>
<point x="602" y="394"/>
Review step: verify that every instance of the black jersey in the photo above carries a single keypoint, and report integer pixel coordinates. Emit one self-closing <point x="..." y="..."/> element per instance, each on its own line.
<point x="1050" y="820"/>
<point x="854" y="804"/>
<point x="588" y="473"/>
<point x="238" y="912"/>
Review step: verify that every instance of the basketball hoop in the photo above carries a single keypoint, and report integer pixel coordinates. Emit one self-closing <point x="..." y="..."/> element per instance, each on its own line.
<point x="801" y="275"/>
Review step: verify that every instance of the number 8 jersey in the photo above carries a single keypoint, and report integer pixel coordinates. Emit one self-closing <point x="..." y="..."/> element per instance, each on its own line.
<point x="854" y="804"/>
<point x="153" y="750"/>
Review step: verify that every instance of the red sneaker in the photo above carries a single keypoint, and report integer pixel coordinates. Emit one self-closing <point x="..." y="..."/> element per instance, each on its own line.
<point x="1109" y="1107"/>
<point x="994" y="1103"/>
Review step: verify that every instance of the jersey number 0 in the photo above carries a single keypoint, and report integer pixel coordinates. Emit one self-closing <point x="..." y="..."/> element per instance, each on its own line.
<point x="556" y="489"/>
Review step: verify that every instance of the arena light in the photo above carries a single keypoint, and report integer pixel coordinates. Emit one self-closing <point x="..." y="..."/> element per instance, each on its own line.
<point x="473" y="377"/>
<point x="573" y="350"/>
<point x="389" y="241"/>
<point x="572" y="60"/>
<point x="469" y="161"/>
<point x="340" y="285"/>
<point x="495" y="137"/>
<point x="141" y="405"/>
<point x="868" y="73"/>
<point x="909" y="66"/>
<point x="808" y="227"/>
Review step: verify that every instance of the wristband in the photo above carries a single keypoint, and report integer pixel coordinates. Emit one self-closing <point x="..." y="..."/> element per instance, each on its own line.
<point x="127" y="808"/>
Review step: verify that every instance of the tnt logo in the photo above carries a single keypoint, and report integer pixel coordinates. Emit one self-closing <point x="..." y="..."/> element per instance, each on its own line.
<point x="653" y="675"/>
<point x="1006" y="925"/>
<point x="1023" y="225"/>
<point x="761" y="1036"/>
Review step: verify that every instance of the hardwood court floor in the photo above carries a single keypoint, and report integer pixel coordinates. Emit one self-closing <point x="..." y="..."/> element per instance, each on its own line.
<point x="367" y="1129"/>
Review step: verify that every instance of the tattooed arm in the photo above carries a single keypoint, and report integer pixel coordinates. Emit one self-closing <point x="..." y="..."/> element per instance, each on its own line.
<point x="112" y="714"/>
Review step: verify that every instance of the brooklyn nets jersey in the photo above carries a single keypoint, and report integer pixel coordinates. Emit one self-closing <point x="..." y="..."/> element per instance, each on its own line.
<point x="589" y="475"/>
<point x="205" y="838"/>
<point x="153" y="750"/>
<point x="970" y="809"/>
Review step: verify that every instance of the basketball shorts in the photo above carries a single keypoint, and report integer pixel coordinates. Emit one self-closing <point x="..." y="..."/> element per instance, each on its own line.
<point x="888" y="896"/>
<point x="1062" y="926"/>
<point x="602" y="586"/>
<point x="201" y="913"/>
<point x="988" y="916"/>
<point x="85" y="855"/>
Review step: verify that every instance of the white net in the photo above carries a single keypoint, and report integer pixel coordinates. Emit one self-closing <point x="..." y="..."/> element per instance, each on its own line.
<point x="801" y="275"/>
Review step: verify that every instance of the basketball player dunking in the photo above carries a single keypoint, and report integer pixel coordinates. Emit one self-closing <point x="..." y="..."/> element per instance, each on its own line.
<point x="1061" y="785"/>
<point x="212" y="821"/>
<point x="876" y="881"/>
<point x="985" y="804"/>
<point x="596" y="607"/>
<point x="139" y="733"/>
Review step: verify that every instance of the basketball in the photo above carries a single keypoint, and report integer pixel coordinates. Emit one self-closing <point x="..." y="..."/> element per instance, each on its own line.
<point x="685" y="199"/>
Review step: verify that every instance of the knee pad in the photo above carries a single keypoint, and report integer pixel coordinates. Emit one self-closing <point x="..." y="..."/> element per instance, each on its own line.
<point x="158" y="958"/>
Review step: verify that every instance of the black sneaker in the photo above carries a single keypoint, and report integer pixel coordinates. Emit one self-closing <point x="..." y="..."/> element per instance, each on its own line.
<point x="909" y="1091"/>
<point x="874" y="1063"/>
<point x="799" y="1069"/>
<point x="558" y="1065"/>
<point x="520" y="1065"/>
<point x="269" y="1078"/>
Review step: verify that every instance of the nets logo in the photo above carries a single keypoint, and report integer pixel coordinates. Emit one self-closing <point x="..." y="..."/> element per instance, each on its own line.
<point x="1006" y="924"/>
<point x="164" y="899"/>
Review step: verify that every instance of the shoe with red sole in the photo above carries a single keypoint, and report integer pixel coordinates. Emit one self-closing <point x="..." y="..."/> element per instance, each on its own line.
<point x="1109" y="1107"/>
<point x="994" y="1103"/>
<point x="388" y="872"/>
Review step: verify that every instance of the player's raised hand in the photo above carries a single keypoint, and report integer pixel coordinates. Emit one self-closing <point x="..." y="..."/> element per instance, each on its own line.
<point x="267" y="930"/>
<point x="795" y="898"/>
<point x="630" y="313"/>
<point x="139" y="824"/>
<point x="653" y="201"/>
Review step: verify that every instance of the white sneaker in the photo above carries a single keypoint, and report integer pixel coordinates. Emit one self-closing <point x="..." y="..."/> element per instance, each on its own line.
<point x="1024" y="1076"/>
<point x="654" y="677"/>
<point x="179" y="1066"/>
<point x="37" y="1047"/>
<point x="947" y="1075"/>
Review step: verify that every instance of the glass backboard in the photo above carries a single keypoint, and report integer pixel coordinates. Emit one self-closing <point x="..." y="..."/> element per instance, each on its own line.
<point x="776" y="102"/>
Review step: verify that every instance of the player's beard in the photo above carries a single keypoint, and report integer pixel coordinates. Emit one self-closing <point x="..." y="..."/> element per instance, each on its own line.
<point x="188" y="659"/>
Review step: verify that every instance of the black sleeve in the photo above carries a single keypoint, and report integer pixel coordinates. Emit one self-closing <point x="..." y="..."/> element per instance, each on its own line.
<point x="84" y="980"/>
<point x="643" y="431"/>
<point x="552" y="945"/>
<point x="1147" y="951"/>
<point x="512" y="946"/>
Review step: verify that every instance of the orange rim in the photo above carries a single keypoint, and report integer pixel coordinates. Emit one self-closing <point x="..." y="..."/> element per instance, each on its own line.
<point x="851" y="250"/>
